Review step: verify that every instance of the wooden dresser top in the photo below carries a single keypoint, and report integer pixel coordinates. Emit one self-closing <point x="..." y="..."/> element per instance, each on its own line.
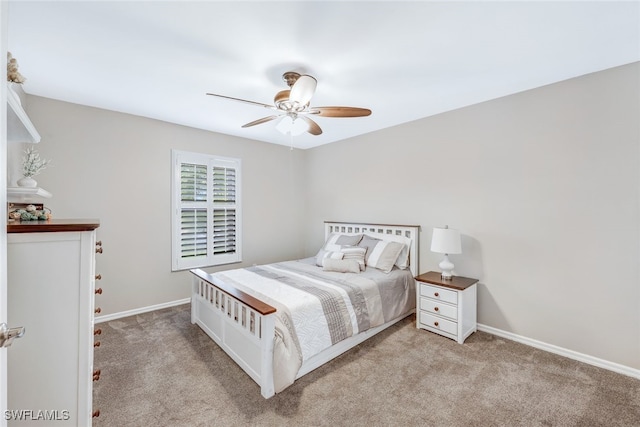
<point x="52" y="225"/>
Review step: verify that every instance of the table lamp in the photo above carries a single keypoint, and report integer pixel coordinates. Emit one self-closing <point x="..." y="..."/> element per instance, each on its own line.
<point x="446" y="241"/>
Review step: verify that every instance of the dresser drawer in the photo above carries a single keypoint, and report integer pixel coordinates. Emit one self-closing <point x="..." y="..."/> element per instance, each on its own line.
<point x="438" y="323"/>
<point x="439" y="308"/>
<point x="437" y="293"/>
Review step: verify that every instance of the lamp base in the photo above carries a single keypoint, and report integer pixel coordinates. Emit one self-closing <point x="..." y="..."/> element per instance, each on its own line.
<point x="447" y="267"/>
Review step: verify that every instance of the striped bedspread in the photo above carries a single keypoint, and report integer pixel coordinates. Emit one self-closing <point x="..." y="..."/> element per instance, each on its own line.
<point x="316" y="309"/>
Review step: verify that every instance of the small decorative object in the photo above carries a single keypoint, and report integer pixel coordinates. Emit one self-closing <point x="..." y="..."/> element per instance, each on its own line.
<point x="13" y="75"/>
<point x="446" y="241"/>
<point x="30" y="213"/>
<point x="32" y="165"/>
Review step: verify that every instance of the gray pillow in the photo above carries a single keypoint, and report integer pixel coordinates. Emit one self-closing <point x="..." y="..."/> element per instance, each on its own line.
<point x="384" y="255"/>
<point x="346" y="240"/>
<point x="341" y="265"/>
<point x="368" y="243"/>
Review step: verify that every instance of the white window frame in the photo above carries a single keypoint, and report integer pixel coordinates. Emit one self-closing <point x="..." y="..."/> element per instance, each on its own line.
<point x="178" y="262"/>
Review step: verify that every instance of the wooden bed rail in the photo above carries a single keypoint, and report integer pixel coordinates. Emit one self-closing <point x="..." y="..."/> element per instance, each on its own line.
<point x="254" y="303"/>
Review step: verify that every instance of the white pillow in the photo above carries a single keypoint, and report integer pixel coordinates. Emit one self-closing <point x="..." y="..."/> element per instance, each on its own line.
<point x="322" y="255"/>
<point x="403" y="258"/>
<point x="355" y="253"/>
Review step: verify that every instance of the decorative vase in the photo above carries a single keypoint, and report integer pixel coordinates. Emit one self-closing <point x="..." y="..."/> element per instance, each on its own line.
<point x="27" y="181"/>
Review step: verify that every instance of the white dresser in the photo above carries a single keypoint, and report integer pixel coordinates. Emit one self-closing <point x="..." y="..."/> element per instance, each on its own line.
<point x="51" y="290"/>
<point x="446" y="307"/>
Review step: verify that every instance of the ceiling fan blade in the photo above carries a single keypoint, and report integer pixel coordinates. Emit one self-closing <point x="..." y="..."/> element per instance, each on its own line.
<point x="340" y="111"/>
<point x="303" y="89"/>
<point x="260" y="104"/>
<point x="260" y="121"/>
<point x="314" y="129"/>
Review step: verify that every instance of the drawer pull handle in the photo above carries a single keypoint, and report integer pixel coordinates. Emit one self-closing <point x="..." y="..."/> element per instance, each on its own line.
<point x="99" y="250"/>
<point x="96" y="344"/>
<point x="95" y="414"/>
<point x="436" y="323"/>
<point x="436" y="294"/>
<point x="97" y="310"/>
<point x="98" y="276"/>
<point x="436" y="309"/>
<point x="99" y="291"/>
<point x="97" y="332"/>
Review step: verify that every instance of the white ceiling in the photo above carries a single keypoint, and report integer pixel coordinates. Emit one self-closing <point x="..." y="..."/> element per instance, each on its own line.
<point x="402" y="60"/>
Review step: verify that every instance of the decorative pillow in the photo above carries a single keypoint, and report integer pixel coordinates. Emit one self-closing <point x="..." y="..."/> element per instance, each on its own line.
<point x="322" y="255"/>
<point x="403" y="259"/>
<point x="384" y="255"/>
<point x="368" y="243"/>
<point x="341" y="265"/>
<point x="354" y="252"/>
<point x="336" y="240"/>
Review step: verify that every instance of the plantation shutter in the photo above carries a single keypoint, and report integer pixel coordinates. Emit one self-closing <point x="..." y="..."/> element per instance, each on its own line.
<point x="193" y="220"/>
<point x="205" y="222"/>
<point x="224" y="211"/>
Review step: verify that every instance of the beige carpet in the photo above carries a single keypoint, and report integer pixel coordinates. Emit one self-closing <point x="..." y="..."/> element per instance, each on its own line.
<point x="160" y="370"/>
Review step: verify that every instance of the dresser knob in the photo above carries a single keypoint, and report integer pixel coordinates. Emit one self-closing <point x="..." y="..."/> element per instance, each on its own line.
<point x="97" y="310"/>
<point x="97" y="332"/>
<point x="99" y="250"/>
<point x="436" y="323"/>
<point x="99" y="291"/>
<point x="436" y="294"/>
<point x="95" y="414"/>
<point x="98" y="276"/>
<point x="96" y="344"/>
<point x="436" y="309"/>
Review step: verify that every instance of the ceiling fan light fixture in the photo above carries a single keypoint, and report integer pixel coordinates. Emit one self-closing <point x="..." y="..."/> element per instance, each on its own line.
<point x="302" y="90"/>
<point x="291" y="125"/>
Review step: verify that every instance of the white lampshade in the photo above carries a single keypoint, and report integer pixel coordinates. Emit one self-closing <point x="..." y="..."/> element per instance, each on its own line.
<point x="293" y="126"/>
<point x="446" y="241"/>
<point x="303" y="89"/>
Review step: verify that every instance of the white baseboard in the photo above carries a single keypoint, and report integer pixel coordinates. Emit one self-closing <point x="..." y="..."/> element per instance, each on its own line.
<point x="580" y="357"/>
<point x="109" y="317"/>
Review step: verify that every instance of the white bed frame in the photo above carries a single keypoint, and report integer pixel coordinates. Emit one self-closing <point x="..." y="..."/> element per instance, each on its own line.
<point x="243" y="326"/>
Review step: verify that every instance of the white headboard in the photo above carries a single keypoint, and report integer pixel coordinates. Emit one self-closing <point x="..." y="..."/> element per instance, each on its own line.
<point x="410" y="231"/>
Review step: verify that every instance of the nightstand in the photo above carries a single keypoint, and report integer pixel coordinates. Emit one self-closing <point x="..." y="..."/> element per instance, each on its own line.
<point x="446" y="307"/>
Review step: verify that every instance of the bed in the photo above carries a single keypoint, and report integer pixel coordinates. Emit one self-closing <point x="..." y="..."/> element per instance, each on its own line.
<point x="280" y="321"/>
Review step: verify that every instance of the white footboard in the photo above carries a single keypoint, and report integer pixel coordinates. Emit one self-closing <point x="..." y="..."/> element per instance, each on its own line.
<point x="240" y="324"/>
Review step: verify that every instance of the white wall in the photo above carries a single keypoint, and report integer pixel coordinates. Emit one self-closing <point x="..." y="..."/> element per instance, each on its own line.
<point x="545" y="188"/>
<point x="116" y="167"/>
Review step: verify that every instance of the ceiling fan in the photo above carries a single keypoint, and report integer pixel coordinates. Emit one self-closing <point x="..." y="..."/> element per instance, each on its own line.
<point x="293" y="106"/>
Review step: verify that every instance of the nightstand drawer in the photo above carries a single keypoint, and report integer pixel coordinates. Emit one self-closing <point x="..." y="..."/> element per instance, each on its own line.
<point x="439" y="308"/>
<point x="437" y="293"/>
<point x="435" y="322"/>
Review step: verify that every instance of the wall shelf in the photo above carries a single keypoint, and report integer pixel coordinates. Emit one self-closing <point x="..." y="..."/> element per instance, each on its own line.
<point x="19" y="126"/>
<point x="27" y="194"/>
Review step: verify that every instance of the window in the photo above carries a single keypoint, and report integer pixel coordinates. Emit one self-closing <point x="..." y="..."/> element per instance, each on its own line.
<point x="206" y="214"/>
